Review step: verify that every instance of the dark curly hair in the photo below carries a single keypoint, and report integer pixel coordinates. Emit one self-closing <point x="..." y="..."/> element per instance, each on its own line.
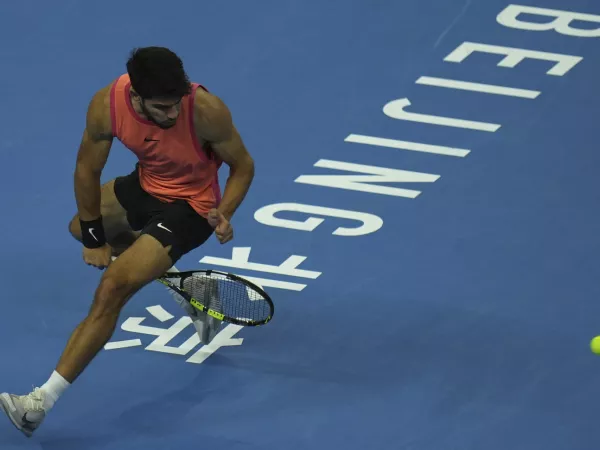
<point x="157" y="72"/>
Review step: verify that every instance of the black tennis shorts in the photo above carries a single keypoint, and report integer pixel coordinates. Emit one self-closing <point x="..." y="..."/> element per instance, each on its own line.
<point x="176" y="224"/>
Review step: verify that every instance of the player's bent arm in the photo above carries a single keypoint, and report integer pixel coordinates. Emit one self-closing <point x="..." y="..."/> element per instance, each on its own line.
<point x="92" y="156"/>
<point x="214" y="124"/>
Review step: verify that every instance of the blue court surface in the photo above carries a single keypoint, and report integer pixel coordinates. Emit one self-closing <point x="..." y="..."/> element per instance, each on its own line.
<point x="457" y="318"/>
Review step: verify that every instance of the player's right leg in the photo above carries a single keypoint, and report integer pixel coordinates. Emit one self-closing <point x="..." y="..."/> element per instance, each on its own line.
<point x="117" y="229"/>
<point x="143" y="262"/>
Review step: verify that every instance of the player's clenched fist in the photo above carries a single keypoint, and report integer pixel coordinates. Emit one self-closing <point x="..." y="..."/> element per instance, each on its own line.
<point x="98" y="257"/>
<point x="223" y="229"/>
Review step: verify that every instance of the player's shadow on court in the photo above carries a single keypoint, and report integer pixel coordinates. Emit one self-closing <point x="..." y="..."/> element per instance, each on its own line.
<point x="80" y="443"/>
<point x="164" y="409"/>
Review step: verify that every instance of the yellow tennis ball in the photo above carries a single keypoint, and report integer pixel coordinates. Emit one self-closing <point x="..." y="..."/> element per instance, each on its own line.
<point x="595" y="345"/>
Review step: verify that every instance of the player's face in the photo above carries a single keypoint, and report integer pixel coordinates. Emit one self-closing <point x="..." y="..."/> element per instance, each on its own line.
<point x="163" y="112"/>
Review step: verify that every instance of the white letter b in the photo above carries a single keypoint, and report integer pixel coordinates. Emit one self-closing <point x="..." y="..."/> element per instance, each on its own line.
<point x="561" y="23"/>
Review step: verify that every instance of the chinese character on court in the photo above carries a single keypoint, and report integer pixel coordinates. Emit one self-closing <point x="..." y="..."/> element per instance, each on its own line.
<point x="166" y="335"/>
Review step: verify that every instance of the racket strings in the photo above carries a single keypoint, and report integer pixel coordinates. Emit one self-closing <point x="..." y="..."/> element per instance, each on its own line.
<point x="227" y="296"/>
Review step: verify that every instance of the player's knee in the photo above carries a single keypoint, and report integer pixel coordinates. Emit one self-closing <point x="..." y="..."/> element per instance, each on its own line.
<point x="111" y="295"/>
<point x="75" y="228"/>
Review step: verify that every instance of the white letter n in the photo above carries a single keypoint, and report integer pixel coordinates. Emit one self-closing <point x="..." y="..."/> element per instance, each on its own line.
<point x="361" y="182"/>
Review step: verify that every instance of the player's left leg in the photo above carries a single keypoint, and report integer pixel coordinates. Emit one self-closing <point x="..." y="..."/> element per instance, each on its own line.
<point x="144" y="261"/>
<point x="116" y="219"/>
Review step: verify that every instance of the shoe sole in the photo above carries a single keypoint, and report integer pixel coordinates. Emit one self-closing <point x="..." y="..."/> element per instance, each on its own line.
<point x="7" y="406"/>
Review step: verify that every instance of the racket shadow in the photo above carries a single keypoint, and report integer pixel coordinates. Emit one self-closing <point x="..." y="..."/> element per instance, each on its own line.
<point x="311" y="372"/>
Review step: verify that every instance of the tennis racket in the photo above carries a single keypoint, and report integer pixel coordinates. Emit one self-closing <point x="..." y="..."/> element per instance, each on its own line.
<point x="222" y="295"/>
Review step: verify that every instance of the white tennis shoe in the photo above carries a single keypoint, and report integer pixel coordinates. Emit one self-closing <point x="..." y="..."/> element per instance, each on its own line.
<point x="26" y="412"/>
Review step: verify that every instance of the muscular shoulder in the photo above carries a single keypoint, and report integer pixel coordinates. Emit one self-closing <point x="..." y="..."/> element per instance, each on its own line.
<point x="212" y="118"/>
<point x="98" y="118"/>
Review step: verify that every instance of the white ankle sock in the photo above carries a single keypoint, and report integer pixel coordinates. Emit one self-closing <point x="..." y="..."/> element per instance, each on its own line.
<point x="54" y="388"/>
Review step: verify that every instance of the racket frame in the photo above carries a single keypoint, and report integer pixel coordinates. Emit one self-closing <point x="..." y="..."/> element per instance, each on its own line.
<point x="164" y="279"/>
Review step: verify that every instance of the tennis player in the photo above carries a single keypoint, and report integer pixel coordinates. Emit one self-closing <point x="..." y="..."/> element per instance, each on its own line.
<point x="167" y="206"/>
